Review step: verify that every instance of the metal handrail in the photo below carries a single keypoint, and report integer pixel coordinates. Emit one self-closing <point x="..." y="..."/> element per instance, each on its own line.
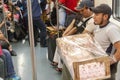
<point x="31" y="37"/>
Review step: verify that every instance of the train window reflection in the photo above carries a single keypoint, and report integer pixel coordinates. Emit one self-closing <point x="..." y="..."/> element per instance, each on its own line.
<point x="116" y="9"/>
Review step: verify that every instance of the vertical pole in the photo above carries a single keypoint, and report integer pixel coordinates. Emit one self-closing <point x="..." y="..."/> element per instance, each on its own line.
<point x="57" y="13"/>
<point x="31" y="37"/>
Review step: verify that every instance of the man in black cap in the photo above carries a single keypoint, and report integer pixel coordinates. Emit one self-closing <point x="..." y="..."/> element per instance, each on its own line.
<point x="86" y="24"/>
<point x="108" y="35"/>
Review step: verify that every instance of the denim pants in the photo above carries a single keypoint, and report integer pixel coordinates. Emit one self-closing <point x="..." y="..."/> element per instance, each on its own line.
<point x="8" y="63"/>
<point x="39" y="24"/>
<point x="62" y="17"/>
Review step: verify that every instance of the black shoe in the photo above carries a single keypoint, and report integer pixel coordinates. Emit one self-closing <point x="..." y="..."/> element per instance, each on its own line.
<point x="35" y="44"/>
<point x="13" y="40"/>
<point x="13" y="53"/>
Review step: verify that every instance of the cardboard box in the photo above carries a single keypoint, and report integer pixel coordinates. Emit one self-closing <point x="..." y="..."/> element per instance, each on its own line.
<point x="93" y="74"/>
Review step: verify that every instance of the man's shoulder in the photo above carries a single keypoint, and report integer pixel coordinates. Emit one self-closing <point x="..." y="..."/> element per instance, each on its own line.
<point x="112" y="26"/>
<point x="91" y="20"/>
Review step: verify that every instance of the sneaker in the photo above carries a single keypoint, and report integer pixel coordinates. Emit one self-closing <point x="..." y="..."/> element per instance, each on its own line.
<point x="54" y="63"/>
<point x="35" y="43"/>
<point x="59" y="69"/>
<point x="15" y="77"/>
<point x="13" y="53"/>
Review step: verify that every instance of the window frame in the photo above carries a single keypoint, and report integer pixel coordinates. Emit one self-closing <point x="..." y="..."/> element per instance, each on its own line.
<point x="114" y="10"/>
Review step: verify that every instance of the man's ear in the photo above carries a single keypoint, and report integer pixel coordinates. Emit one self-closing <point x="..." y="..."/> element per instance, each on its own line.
<point x="106" y="16"/>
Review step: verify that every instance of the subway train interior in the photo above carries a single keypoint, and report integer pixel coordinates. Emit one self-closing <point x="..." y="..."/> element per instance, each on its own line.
<point x="25" y="55"/>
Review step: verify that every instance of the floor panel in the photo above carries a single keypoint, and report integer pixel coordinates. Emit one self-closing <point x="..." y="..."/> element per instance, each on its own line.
<point x="23" y="65"/>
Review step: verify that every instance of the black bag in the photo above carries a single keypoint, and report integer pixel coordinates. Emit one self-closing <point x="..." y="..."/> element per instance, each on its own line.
<point x="19" y="31"/>
<point x="82" y="26"/>
<point x="52" y="44"/>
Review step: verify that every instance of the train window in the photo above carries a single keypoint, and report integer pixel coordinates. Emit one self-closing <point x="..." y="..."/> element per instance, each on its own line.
<point x="116" y="9"/>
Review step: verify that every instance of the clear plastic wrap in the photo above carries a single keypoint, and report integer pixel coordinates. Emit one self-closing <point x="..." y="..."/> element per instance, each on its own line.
<point x="78" y="48"/>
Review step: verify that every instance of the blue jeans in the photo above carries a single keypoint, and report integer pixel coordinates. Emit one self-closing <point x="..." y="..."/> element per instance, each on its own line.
<point x="8" y="63"/>
<point x="62" y="17"/>
<point x="39" y="25"/>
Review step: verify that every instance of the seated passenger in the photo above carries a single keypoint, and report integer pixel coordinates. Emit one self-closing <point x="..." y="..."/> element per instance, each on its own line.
<point x="10" y="72"/>
<point x="107" y="34"/>
<point x="5" y="43"/>
<point x="86" y="26"/>
<point x="10" y="27"/>
<point x="87" y="22"/>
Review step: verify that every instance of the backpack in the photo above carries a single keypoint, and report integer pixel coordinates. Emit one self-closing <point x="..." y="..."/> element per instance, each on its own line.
<point x="19" y="31"/>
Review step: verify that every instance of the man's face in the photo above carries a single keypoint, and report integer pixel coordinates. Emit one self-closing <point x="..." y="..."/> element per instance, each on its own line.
<point x="98" y="18"/>
<point x="84" y="12"/>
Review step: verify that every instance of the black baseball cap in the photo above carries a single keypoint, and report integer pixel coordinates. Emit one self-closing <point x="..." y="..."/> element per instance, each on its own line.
<point x="83" y="3"/>
<point x="103" y="8"/>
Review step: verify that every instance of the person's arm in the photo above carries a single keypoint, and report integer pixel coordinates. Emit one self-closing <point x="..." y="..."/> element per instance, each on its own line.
<point x="2" y="37"/>
<point x="69" y="28"/>
<point x="116" y="56"/>
<point x="3" y="22"/>
<point x="85" y="31"/>
<point x="72" y="31"/>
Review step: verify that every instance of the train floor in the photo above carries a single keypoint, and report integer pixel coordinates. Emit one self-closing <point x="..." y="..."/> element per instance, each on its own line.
<point x="23" y="63"/>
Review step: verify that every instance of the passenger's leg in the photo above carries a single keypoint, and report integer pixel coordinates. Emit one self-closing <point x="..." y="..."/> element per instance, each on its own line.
<point x="40" y="24"/>
<point x="118" y="71"/>
<point x="4" y="59"/>
<point x="56" y="56"/>
<point x="62" y="19"/>
<point x="6" y="45"/>
<point x="69" y="18"/>
<point x="9" y="65"/>
<point x="60" y="66"/>
<point x="36" y="34"/>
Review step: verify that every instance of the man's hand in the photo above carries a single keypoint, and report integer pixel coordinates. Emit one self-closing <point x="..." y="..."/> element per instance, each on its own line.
<point x="112" y="59"/>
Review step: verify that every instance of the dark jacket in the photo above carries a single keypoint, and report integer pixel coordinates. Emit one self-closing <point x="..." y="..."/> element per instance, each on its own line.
<point x="36" y="10"/>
